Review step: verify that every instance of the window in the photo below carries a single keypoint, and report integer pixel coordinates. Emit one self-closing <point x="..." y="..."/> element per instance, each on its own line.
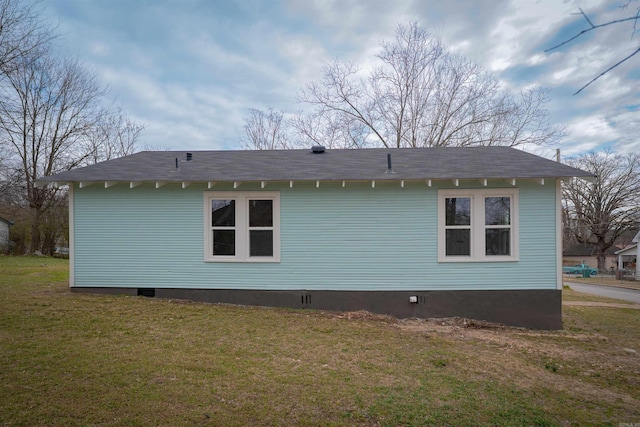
<point x="458" y="225"/>
<point x="242" y="226"/>
<point x="497" y="226"/>
<point x="477" y="225"/>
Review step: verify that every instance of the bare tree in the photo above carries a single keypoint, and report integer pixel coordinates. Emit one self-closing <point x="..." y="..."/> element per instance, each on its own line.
<point x="598" y="213"/>
<point x="51" y="119"/>
<point x="265" y="130"/>
<point x="330" y="130"/>
<point x="114" y="135"/>
<point x="21" y="33"/>
<point x="632" y="18"/>
<point x="47" y="106"/>
<point x="418" y="95"/>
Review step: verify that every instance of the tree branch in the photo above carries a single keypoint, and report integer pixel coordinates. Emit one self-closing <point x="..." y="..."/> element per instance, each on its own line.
<point x="607" y="70"/>
<point x="593" y="27"/>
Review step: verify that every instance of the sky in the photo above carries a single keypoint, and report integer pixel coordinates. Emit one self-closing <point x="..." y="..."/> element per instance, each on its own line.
<point x="190" y="70"/>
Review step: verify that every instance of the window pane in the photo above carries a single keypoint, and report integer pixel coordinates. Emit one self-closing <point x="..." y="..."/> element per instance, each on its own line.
<point x="224" y="242"/>
<point x="458" y="210"/>
<point x="498" y="241"/>
<point x="497" y="211"/>
<point x="261" y="243"/>
<point x="260" y="213"/>
<point x="458" y="242"/>
<point x="223" y="213"/>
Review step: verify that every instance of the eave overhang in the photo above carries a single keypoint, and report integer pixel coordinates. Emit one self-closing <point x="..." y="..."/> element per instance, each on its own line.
<point x="428" y="182"/>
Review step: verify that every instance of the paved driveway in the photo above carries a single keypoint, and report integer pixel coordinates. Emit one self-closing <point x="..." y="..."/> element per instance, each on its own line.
<point x="631" y="295"/>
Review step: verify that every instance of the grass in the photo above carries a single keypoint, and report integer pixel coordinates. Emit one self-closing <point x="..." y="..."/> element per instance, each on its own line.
<point x="569" y="294"/>
<point x="604" y="280"/>
<point x="76" y="360"/>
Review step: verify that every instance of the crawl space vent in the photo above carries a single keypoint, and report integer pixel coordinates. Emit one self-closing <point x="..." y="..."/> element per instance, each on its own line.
<point x="146" y="292"/>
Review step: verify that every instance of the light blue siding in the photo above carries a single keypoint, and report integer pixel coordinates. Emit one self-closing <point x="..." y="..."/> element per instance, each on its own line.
<point x="332" y="238"/>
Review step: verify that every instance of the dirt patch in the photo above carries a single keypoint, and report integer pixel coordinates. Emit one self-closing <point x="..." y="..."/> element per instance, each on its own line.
<point x="531" y="359"/>
<point x="462" y="322"/>
<point x="361" y="315"/>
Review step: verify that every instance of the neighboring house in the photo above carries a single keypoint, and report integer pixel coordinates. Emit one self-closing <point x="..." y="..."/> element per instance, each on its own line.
<point x="431" y="232"/>
<point x="5" y="224"/>
<point x="587" y="254"/>
<point x="628" y="257"/>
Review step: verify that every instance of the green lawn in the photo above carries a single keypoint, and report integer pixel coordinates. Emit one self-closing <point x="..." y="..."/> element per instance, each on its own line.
<point x="77" y="360"/>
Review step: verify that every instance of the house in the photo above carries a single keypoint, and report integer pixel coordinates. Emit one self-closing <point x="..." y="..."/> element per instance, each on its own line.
<point x="588" y="254"/>
<point x="5" y="224"/>
<point x="426" y="232"/>
<point x="628" y="257"/>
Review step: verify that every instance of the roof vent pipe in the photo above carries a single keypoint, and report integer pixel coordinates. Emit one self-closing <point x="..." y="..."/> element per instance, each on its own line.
<point x="318" y="149"/>
<point x="176" y="163"/>
<point x="389" y="167"/>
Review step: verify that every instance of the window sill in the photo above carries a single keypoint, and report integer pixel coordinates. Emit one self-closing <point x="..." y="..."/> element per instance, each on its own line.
<point x="234" y="260"/>
<point x="475" y="260"/>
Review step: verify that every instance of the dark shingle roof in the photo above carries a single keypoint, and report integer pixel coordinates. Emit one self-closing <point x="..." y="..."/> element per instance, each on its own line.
<point x="304" y="165"/>
<point x="582" y="249"/>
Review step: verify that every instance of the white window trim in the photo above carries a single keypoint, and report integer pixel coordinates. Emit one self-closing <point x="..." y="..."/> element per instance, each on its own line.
<point x="477" y="226"/>
<point x="242" y="225"/>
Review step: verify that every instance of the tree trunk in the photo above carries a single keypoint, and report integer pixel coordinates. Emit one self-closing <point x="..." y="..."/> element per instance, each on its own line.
<point x="49" y="243"/>
<point x="20" y="243"/>
<point x="35" y="231"/>
<point x="600" y="248"/>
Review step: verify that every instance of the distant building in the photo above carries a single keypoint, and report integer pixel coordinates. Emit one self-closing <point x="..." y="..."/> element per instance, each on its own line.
<point x="4" y="234"/>
<point x="628" y="257"/>
<point x="588" y="254"/>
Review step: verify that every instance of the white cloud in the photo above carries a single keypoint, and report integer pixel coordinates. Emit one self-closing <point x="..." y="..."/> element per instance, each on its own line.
<point x="190" y="72"/>
<point x="588" y="133"/>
